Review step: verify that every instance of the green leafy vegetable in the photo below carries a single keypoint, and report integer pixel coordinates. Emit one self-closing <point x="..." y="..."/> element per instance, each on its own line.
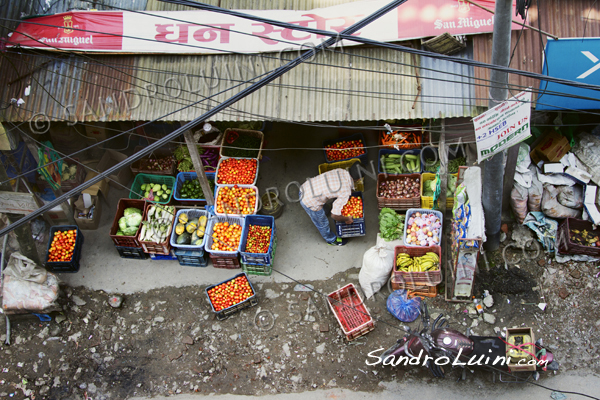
<point x="391" y="225"/>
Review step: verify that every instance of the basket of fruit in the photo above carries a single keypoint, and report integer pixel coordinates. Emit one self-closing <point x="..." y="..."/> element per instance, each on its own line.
<point x="236" y="200"/>
<point x="155" y="188"/>
<point x="156" y="229"/>
<point x="353" y="208"/>
<point x="258" y="240"/>
<point x="418" y="265"/>
<point x="400" y="161"/>
<point x="428" y="185"/>
<point x="576" y="236"/>
<point x="346" y="148"/>
<point x="223" y="239"/>
<point x="190" y="226"/>
<point x="160" y="162"/>
<point x="188" y="190"/>
<point x="64" y="249"/>
<point x="230" y="296"/>
<point x="350" y="311"/>
<point x="398" y="192"/>
<point x="423" y="227"/>
<point x="242" y="143"/>
<point x="237" y="171"/>
<point x="126" y="225"/>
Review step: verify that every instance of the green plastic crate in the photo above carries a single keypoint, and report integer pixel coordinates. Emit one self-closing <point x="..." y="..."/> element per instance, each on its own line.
<point x="141" y="179"/>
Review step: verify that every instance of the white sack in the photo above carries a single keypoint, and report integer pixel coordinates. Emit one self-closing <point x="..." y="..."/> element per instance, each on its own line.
<point x="376" y="269"/>
<point x="552" y="208"/>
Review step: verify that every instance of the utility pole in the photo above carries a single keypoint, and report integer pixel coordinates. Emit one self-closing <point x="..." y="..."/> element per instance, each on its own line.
<point x="493" y="171"/>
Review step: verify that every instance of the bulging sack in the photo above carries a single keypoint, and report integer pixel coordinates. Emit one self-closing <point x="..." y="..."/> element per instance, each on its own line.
<point x="518" y="201"/>
<point x="552" y="208"/>
<point x="377" y="266"/>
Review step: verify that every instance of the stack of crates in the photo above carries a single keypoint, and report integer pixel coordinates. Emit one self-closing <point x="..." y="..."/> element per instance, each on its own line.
<point x="258" y="263"/>
<point x="128" y="246"/>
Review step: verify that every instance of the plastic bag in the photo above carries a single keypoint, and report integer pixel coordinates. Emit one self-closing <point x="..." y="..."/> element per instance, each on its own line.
<point x="535" y="192"/>
<point x="552" y="208"/>
<point x="28" y="287"/>
<point x="571" y="196"/>
<point x="518" y="201"/>
<point x="402" y="308"/>
<point x="377" y="266"/>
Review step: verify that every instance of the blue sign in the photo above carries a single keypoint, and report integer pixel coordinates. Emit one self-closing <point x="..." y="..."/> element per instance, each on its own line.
<point x="577" y="60"/>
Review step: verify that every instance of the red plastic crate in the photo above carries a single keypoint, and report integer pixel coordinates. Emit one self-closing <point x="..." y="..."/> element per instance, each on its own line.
<point x="563" y="238"/>
<point x="127" y="241"/>
<point x="350" y="312"/>
<point x="226" y="262"/>
<point x="397" y="204"/>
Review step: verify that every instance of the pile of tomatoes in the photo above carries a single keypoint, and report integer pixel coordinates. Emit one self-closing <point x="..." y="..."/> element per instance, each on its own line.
<point x="62" y="246"/>
<point x="226" y="237"/>
<point x="259" y="239"/>
<point x="353" y="208"/>
<point x="237" y="171"/>
<point x="236" y="200"/>
<point x="230" y="293"/>
<point x="344" y="150"/>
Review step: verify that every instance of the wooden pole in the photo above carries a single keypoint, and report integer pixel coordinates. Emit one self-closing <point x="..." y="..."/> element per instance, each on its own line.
<point x="199" y="168"/>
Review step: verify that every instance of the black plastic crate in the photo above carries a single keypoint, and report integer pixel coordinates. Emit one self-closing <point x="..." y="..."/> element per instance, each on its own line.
<point x="134" y="253"/>
<point x="163" y="257"/>
<point x="192" y="258"/>
<point x="67" y="266"/>
<point x="356" y="228"/>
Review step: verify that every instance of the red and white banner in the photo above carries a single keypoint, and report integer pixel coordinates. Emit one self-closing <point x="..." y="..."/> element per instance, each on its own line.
<point x="205" y="32"/>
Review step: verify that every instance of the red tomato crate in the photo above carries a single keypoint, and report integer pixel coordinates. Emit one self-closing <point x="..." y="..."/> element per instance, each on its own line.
<point x="222" y="259"/>
<point x="65" y="266"/>
<point x="222" y="160"/>
<point x="356" y="228"/>
<point x="224" y="314"/>
<point x="258" y="258"/>
<point x="427" y="278"/>
<point x="127" y="241"/>
<point x="350" y="311"/>
<point x="357" y="136"/>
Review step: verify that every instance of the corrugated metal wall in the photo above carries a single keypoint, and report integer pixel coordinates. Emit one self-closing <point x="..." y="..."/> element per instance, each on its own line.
<point x="561" y="18"/>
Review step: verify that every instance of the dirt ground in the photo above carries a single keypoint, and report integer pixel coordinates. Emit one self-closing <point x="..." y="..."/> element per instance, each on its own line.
<point x="168" y="341"/>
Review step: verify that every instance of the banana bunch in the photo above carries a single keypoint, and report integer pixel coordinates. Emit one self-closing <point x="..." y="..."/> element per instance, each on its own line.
<point x="429" y="262"/>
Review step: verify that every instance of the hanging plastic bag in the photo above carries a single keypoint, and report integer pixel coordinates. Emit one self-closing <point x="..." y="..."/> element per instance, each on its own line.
<point x="518" y="201"/>
<point x="402" y="308"/>
<point x="377" y="266"/>
<point x="552" y="208"/>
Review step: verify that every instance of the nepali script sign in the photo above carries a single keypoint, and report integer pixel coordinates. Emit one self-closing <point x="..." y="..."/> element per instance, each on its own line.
<point x="503" y="126"/>
<point x="206" y="32"/>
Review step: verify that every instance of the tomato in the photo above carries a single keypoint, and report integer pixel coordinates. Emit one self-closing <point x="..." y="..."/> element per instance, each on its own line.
<point x="226" y="237"/>
<point x="237" y="171"/>
<point x="62" y="246"/>
<point x="236" y="200"/>
<point x="353" y="208"/>
<point x="258" y="240"/>
<point x="344" y="149"/>
<point x="230" y="293"/>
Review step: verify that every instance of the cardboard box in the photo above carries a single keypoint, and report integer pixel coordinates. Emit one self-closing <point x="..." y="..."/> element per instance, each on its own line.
<point x="553" y="168"/>
<point x="552" y="148"/>
<point x="79" y="205"/>
<point x="97" y="131"/>
<point x="58" y="216"/>
<point x="110" y="159"/>
<point x="97" y="187"/>
<point x="512" y="363"/>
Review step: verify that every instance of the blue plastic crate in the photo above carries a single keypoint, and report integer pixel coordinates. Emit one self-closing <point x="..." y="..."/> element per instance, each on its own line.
<point x="28" y="167"/>
<point x="134" y="253"/>
<point x="258" y="258"/>
<point x="192" y="258"/>
<point x="383" y="152"/>
<point x="356" y="228"/>
<point x="249" y="302"/>
<point x="189" y="176"/>
<point x="163" y="257"/>
<point x="67" y="266"/>
<point x="357" y="136"/>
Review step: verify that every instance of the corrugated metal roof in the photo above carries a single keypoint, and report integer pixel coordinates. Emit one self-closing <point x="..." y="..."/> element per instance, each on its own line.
<point x="562" y="18"/>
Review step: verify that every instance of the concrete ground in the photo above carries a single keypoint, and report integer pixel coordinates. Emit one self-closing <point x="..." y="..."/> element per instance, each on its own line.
<point x="301" y="252"/>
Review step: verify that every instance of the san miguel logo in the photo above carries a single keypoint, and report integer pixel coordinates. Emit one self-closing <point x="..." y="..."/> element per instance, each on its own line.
<point x="463" y="6"/>
<point x="68" y="24"/>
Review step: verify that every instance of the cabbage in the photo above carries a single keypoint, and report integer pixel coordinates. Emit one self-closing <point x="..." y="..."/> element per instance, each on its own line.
<point x="122" y="223"/>
<point x="132" y="210"/>
<point x="133" y="220"/>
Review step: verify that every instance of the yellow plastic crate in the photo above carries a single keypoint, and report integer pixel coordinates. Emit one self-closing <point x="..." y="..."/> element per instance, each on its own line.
<point x="360" y="184"/>
<point x="426" y="201"/>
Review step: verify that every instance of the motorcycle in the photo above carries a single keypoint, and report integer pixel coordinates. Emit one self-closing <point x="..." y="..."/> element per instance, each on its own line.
<point x="442" y="346"/>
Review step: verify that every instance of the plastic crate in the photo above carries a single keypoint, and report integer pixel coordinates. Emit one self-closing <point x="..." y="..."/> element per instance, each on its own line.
<point x="356" y="136"/>
<point x="134" y="253"/>
<point x="241" y="132"/>
<point x="189" y="176"/>
<point x="257" y="269"/>
<point x="384" y="152"/>
<point x="255" y="209"/>
<point x="209" y="239"/>
<point x="413" y="290"/>
<point x="397" y="204"/>
<point x="227" y="158"/>
<point x="163" y="248"/>
<point x="356" y="228"/>
<point x="326" y="167"/>
<point x="163" y="257"/>
<point x="350" y="312"/>
<point x="225" y="262"/>
<point x="386" y="140"/>
<point x="426" y="201"/>
<point x="66" y="266"/>
<point x="158" y="153"/>
<point x="421" y="210"/>
<point x="207" y="168"/>
<point x="126" y="241"/>
<point x="141" y="179"/>
<point x="224" y="314"/>
<point x="563" y="238"/>
<point x="258" y="258"/>
<point x="192" y="213"/>
<point x="427" y="278"/>
<point x="192" y="258"/>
